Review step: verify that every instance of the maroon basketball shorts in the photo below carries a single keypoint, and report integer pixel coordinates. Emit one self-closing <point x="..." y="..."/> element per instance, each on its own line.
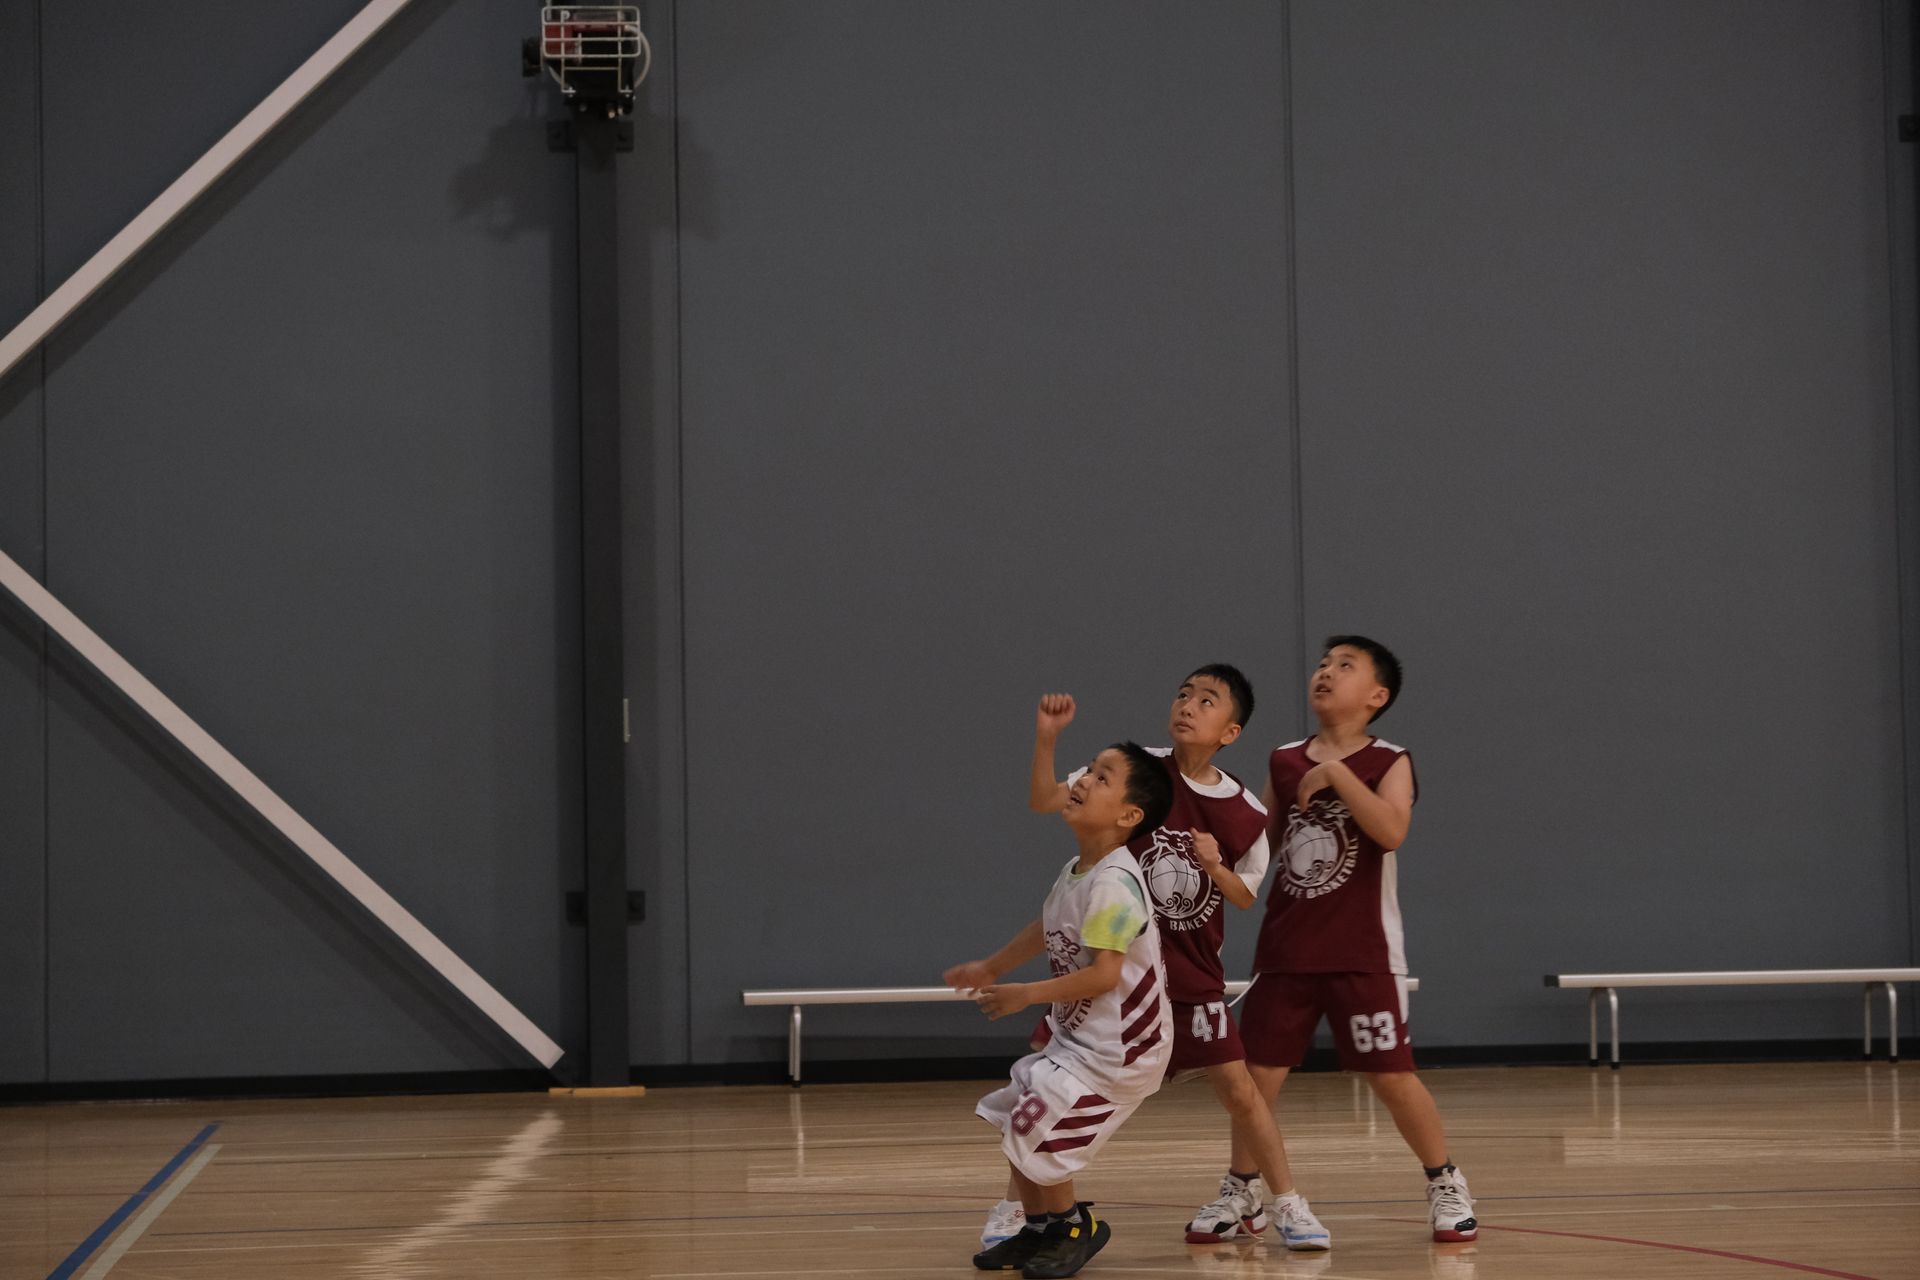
<point x="1367" y="1011"/>
<point x="1203" y="1036"/>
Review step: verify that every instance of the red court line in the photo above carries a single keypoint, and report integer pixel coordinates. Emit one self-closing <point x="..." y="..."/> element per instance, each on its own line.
<point x="1678" y="1248"/>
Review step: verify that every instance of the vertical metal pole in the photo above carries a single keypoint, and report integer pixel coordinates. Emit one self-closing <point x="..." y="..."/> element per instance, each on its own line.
<point x="793" y="1048"/>
<point x="1893" y="1023"/>
<point x="1866" y="1023"/>
<point x="596" y="140"/>
<point x="1593" y="1027"/>
<point x="1613" y="1011"/>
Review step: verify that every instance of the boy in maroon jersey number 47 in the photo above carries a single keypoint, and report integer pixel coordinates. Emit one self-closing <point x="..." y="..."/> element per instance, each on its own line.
<point x="1331" y="944"/>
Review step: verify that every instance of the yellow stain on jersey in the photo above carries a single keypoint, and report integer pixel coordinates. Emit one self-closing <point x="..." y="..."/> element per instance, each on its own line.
<point x="1112" y="928"/>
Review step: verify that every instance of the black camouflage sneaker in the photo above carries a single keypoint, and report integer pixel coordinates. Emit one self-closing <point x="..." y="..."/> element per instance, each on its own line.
<point x="1065" y="1247"/>
<point x="1012" y="1253"/>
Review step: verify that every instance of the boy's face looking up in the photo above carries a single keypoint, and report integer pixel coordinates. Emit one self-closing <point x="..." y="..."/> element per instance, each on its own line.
<point x="1098" y="800"/>
<point x="1203" y="714"/>
<point x="1345" y="684"/>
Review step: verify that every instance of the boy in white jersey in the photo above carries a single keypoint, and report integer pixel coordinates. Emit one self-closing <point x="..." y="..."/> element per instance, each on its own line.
<point x="1111" y="1029"/>
<point x="1210" y="850"/>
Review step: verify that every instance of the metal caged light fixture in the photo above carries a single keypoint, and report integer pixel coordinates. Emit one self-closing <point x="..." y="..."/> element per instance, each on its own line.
<point x="597" y="54"/>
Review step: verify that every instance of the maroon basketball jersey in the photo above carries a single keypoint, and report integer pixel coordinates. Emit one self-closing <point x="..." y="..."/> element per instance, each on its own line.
<point x="1335" y="904"/>
<point x="1186" y="902"/>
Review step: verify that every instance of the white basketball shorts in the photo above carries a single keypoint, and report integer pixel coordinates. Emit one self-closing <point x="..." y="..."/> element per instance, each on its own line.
<point x="1052" y="1122"/>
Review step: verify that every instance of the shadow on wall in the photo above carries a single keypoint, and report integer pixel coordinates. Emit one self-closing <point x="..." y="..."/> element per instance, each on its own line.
<point x="488" y="193"/>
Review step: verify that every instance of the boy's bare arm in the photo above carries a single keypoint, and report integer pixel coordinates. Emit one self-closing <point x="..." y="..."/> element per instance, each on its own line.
<point x="1385" y="814"/>
<point x="1276" y="816"/>
<point x="1232" y="887"/>
<point x="973" y="974"/>
<point x="1045" y="792"/>
<point x="1098" y="978"/>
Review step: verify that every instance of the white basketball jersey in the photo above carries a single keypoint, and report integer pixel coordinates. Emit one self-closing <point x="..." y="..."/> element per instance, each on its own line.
<point x="1117" y="1042"/>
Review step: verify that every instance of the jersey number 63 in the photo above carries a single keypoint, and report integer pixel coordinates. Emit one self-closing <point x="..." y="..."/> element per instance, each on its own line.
<point x="1373" y="1031"/>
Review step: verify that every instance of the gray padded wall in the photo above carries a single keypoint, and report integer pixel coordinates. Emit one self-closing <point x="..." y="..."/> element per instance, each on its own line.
<point x="22" y="700"/>
<point x="1597" y="428"/>
<point x="984" y="379"/>
<point x="302" y="471"/>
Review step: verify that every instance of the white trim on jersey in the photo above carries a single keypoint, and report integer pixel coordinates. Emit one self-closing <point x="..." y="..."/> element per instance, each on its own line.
<point x="1252" y="868"/>
<point x="1394" y="747"/>
<point x="1288" y="746"/>
<point x="1390" y="927"/>
<point x="1226" y="789"/>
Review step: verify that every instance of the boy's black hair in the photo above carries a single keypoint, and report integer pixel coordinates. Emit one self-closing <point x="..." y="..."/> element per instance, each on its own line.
<point x="1147" y="785"/>
<point x="1386" y="667"/>
<point x="1238" y="686"/>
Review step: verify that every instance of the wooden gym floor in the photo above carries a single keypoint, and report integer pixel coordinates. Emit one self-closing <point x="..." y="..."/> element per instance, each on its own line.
<point x="1701" y="1172"/>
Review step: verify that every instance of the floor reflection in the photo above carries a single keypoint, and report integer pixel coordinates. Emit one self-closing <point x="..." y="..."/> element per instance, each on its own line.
<point x="402" y="1256"/>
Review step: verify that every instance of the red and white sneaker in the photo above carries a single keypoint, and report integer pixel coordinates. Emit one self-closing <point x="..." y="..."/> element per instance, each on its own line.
<point x="1240" y="1211"/>
<point x="1450" y="1208"/>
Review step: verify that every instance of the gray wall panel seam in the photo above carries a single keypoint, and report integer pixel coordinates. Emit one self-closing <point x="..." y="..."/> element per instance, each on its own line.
<point x="1902" y="567"/>
<point x="1905" y="566"/>
<point x="1902" y="515"/>
<point x="680" y="550"/>
<point x="46" y="691"/>
<point x="1293" y="366"/>
<point x="1892" y="149"/>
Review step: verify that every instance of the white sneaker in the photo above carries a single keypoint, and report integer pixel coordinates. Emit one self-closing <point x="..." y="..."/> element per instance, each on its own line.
<point x="1450" y="1208"/>
<point x="1240" y="1211"/>
<point x="1004" y="1222"/>
<point x="1299" y="1229"/>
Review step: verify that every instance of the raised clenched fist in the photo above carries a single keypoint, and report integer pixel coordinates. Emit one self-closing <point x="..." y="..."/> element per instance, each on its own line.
<point x="1055" y="713"/>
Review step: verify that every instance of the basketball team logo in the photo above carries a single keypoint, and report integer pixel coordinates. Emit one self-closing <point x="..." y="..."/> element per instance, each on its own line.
<point x="1062" y="949"/>
<point x="1184" y="896"/>
<point x="1319" y="851"/>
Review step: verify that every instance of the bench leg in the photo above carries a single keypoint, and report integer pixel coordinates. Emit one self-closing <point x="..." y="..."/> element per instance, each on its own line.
<point x="1893" y="1023"/>
<point x="1613" y="1013"/>
<point x="1866" y="1023"/>
<point x="793" y="1047"/>
<point x="1593" y="1027"/>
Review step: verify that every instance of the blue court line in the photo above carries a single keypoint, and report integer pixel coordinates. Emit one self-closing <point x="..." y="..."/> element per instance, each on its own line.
<point x="105" y="1229"/>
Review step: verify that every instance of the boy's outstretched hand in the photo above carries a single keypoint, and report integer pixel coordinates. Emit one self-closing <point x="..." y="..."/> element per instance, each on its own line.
<point x="998" y="1002"/>
<point x="970" y="976"/>
<point x="1055" y="714"/>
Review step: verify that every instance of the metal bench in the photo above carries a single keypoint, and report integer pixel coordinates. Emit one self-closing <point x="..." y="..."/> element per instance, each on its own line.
<point x="799" y="998"/>
<point x="1609" y="984"/>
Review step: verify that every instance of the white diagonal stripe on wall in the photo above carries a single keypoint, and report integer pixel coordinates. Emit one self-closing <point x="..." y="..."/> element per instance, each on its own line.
<point x="304" y="836"/>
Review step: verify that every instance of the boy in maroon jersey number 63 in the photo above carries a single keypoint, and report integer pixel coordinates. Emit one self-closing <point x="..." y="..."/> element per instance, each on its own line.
<point x="1331" y="944"/>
